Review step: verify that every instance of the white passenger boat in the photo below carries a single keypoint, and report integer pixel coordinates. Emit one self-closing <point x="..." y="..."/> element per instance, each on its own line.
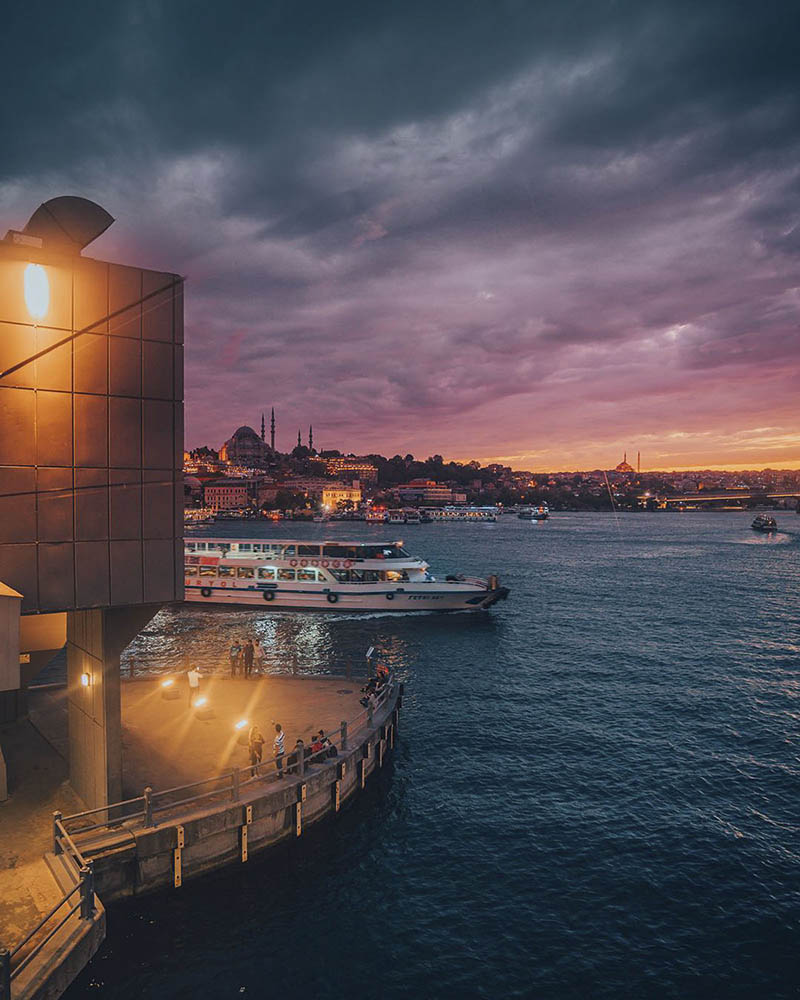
<point x="461" y="513"/>
<point x="340" y="576"/>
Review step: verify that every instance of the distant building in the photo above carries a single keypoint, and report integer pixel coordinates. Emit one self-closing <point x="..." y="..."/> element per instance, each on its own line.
<point x="245" y="447"/>
<point x="624" y="467"/>
<point x="424" y="491"/>
<point x="335" y="494"/>
<point x="229" y="494"/>
<point x="356" y="468"/>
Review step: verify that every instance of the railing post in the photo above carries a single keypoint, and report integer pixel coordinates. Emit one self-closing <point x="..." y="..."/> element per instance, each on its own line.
<point x="235" y="784"/>
<point x="344" y="734"/>
<point x="148" y="807"/>
<point x="369" y="715"/>
<point x="87" y="891"/>
<point x="5" y="974"/>
<point x="300" y="753"/>
<point x="56" y="835"/>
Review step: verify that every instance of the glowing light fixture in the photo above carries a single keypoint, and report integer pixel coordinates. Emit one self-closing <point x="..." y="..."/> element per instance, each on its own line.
<point x="37" y="291"/>
<point x="85" y="680"/>
<point x="241" y="724"/>
<point x="199" y="702"/>
<point x="167" y="683"/>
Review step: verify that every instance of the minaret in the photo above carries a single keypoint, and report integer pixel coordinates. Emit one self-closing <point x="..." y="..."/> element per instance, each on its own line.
<point x="299" y="442"/>
<point x="263" y="429"/>
<point x="272" y="430"/>
<point x="310" y="438"/>
<point x="638" y="461"/>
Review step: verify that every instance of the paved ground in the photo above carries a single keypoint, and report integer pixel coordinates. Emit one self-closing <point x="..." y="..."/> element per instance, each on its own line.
<point x="37" y="778"/>
<point x="166" y="744"/>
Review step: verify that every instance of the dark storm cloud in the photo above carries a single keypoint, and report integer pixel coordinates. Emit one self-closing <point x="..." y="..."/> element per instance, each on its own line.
<point x="563" y="223"/>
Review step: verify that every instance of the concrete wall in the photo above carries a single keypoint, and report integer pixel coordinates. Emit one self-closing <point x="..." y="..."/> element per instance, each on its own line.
<point x="10" y="602"/>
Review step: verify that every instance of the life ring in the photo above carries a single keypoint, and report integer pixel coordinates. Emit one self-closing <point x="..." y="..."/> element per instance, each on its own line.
<point x="269" y="595"/>
<point x="304" y="562"/>
<point x="324" y="564"/>
<point x="205" y="591"/>
<point x="348" y="563"/>
<point x="332" y="598"/>
<point x="335" y="563"/>
<point x="315" y="562"/>
<point x="292" y="562"/>
<point x="390" y="597"/>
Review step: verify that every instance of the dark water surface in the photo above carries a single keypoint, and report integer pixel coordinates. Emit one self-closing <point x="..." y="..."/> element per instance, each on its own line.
<point x="596" y="790"/>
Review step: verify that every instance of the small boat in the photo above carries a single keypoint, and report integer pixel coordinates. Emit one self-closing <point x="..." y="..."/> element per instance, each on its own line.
<point x="540" y="513"/>
<point x="763" y="522"/>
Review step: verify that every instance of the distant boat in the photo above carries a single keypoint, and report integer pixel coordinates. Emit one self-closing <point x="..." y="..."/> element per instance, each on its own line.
<point x="540" y="513"/>
<point x="763" y="522"/>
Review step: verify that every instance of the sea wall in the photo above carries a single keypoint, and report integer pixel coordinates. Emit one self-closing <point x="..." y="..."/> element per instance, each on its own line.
<point x="134" y="861"/>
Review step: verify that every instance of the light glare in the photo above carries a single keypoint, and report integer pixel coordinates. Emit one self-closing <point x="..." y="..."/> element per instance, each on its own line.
<point x="37" y="291"/>
<point x="241" y="723"/>
<point x="167" y="683"/>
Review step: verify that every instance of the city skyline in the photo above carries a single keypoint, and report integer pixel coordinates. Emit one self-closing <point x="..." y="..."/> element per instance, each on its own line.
<point x="544" y="239"/>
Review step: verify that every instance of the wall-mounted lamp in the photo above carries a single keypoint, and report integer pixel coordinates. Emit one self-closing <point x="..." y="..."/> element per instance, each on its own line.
<point x="37" y="291"/>
<point x="86" y="680"/>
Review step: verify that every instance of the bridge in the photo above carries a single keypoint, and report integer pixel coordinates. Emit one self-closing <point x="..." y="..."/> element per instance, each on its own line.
<point x="719" y="496"/>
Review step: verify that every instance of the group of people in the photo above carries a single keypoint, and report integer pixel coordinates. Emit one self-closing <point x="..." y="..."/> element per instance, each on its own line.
<point x="319" y="749"/>
<point x="244" y="656"/>
<point x="372" y="689"/>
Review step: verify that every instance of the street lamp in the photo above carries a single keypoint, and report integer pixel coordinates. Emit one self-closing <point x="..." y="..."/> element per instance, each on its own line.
<point x="36" y="288"/>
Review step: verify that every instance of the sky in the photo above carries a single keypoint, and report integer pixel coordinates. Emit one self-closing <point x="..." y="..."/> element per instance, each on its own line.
<point x="536" y="233"/>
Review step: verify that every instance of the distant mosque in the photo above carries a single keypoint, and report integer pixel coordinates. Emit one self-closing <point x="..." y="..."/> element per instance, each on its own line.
<point x="245" y="447"/>
<point x="625" y="467"/>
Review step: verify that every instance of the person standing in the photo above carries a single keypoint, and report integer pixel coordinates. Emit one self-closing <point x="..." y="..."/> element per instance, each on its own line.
<point x="248" y="654"/>
<point x="256" y="746"/>
<point x="234" y="654"/>
<point x="194" y="684"/>
<point x="258" y="651"/>
<point x="278" y="748"/>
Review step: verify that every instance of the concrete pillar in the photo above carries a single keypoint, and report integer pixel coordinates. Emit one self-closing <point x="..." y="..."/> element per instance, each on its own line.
<point x="10" y="604"/>
<point x="95" y="639"/>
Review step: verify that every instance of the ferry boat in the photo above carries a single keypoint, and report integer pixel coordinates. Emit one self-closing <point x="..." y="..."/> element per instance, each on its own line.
<point x="540" y="513"/>
<point x="193" y="516"/>
<point x="376" y="515"/>
<point x="340" y="576"/>
<point x="461" y="513"/>
<point x="763" y="522"/>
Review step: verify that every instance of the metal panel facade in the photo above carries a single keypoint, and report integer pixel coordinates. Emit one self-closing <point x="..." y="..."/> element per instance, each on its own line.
<point x="91" y="434"/>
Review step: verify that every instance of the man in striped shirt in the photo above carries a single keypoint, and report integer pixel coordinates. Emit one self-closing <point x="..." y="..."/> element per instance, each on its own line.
<point x="278" y="749"/>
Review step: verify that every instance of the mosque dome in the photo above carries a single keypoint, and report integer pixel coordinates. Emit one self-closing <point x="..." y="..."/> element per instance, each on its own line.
<point x="245" y="447"/>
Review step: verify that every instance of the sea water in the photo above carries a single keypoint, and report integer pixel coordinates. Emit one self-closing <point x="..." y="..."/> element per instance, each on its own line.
<point x="594" y="793"/>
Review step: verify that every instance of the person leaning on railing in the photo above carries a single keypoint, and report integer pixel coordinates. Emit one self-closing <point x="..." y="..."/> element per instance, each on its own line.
<point x="278" y="748"/>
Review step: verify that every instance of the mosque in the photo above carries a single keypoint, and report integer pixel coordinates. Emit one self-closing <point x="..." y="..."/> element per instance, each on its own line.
<point x="246" y="448"/>
<point x="625" y="467"/>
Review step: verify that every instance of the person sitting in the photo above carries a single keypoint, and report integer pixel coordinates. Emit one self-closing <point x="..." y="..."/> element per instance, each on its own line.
<point x="317" y="746"/>
<point x="327" y="746"/>
<point x="382" y="672"/>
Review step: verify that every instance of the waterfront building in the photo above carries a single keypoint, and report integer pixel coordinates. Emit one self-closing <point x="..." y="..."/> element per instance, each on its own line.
<point x="230" y="493"/>
<point x="91" y="481"/>
<point x="355" y="468"/>
<point x="424" y="491"/>
<point x="338" y="493"/>
<point x="245" y="447"/>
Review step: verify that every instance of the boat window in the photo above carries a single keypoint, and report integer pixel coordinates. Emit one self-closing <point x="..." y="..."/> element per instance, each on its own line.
<point x="371" y="575"/>
<point x="288" y="550"/>
<point x="201" y="546"/>
<point x="266" y="573"/>
<point x="245" y="547"/>
<point x="308" y="550"/>
<point x="190" y="546"/>
<point x="356" y="576"/>
<point x="245" y="572"/>
<point x="227" y="571"/>
<point x="286" y="574"/>
<point x="208" y="571"/>
<point x="342" y="575"/>
<point x="307" y="574"/>
<point x="189" y="570"/>
<point x="396" y="575"/>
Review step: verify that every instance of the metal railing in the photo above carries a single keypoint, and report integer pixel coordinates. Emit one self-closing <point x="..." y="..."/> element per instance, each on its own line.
<point x="226" y="785"/>
<point x="14" y="961"/>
